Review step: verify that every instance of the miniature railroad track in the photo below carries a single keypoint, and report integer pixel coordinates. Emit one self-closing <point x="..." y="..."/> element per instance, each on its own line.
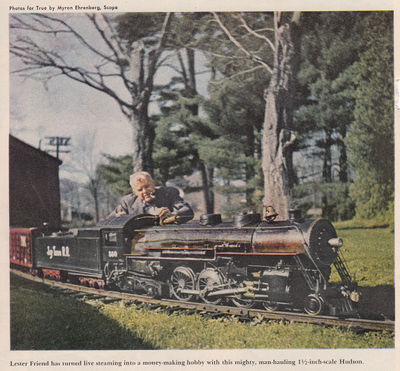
<point x="211" y="309"/>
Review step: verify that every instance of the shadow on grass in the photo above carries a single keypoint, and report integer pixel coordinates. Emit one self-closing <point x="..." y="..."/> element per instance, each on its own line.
<point x="45" y="320"/>
<point x="377" y="302"/>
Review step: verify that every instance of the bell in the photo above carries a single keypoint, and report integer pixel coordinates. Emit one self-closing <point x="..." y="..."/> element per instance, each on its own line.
<point x="270" y="213"/>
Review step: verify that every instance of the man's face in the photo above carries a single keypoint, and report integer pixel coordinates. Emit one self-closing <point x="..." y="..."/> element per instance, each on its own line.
<point x="144" y="189"/>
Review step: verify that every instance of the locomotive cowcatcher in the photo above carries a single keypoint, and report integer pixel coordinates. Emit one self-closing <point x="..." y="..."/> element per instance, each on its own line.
<point x="248" y="261"/>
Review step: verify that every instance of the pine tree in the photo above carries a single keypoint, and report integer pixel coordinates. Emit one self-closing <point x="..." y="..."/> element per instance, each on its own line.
<point x="115" y="173"/>
<point x="179" y="124"/>
<point x="371" y="140"/>
<point x="236" y="107"/>
<point x="331" y="44"/>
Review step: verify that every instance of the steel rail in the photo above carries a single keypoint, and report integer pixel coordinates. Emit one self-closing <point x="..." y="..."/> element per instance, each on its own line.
<point x="246" y="313"/>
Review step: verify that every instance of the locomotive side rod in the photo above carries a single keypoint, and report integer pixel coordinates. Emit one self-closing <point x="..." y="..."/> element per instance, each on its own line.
<point x="246" y="313"/>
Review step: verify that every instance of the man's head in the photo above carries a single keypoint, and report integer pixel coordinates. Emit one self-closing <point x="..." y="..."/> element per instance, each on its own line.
<point x="142" y="185"/>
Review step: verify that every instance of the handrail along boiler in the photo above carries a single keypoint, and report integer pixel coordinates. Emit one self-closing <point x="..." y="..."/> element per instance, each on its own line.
<point x="248" y="261"/>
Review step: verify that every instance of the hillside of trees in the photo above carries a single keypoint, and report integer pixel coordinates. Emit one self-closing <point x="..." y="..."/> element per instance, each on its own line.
<point x="297" y="112"/>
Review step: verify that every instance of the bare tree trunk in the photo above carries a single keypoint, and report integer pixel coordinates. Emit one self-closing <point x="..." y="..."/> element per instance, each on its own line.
<point x="143" y="67"/>
<point x="93" y="188"/>
<point x="343" y="177"/>
<point x="327" y="161"/>
<point x="142" y="141"/>
<point x="206" y="177"/>
<point x="277" y="136"/>
<point x="96" y="202"/>
<point x="249" y="168"/>
<point x="191" y="91"/>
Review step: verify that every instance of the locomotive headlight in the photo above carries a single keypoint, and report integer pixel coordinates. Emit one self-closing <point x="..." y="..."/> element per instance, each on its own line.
<point x="336" y="242"/>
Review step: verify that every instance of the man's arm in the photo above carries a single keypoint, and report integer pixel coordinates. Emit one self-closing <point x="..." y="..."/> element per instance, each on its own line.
<point x="123" y="207"/>
<point x="180" y="207"/>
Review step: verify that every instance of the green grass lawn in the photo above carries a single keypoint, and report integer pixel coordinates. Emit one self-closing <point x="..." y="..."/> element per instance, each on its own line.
<point x="41" y="319"/>
<point x="369" y="253"/>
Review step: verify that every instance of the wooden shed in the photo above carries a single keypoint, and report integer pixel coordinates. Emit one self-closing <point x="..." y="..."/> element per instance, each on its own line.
<point x="34" y="188"/>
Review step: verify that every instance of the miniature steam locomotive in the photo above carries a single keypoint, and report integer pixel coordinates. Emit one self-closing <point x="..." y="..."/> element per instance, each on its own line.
<point x="248" y="261"/>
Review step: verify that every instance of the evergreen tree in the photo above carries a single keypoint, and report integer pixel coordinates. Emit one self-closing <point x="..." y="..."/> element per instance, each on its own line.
<point x="115" y="173"/>
<point x="179" y="125"/>
<point x="173" y="153"/>
<point x="236" y="108"/>
<point x="331" y="44"/>
<point x="371" y="139"/>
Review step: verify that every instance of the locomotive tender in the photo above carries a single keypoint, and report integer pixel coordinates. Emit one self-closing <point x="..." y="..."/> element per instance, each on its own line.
<point x="249" y="261"/>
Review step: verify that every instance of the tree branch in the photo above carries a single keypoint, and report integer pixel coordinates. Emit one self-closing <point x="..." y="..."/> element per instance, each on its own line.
<point x="236" y="75"/>
<point x="117" y="50"/>
<point x="153" y="58"/>
<point x="251" y="56"/>
<point x="183" y="69"/>
<point x="77" y="35"/>
<point x="36" y="57"/>
<point x="254" y="33"/>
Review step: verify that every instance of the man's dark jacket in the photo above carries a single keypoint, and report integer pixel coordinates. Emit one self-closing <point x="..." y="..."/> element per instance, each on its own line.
<point x="164" y="197"/>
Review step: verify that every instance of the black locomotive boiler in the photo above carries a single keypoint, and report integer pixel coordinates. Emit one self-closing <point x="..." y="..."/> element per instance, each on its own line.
<point x="248" y="261"/>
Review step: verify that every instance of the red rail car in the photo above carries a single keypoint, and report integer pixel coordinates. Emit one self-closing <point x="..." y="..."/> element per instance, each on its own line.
<point x="21" y="246"/>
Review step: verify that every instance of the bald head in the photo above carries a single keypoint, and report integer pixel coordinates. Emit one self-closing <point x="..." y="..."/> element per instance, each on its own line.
<point x="142" y="185"/>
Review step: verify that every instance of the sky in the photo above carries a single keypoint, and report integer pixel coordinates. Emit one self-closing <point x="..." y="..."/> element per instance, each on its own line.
<point x="66" y="108"/>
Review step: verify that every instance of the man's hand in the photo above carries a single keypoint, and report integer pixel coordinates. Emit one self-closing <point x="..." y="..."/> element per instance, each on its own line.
<point x="166" y="216"/>
<point x="120" y="214"/>
<point x="164" y="212"/>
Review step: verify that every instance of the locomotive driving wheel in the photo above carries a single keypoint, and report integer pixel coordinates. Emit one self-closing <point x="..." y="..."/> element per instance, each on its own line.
<point x="313" y="304"/>
<point x="182" y="278"/>
<point x="270" y="306"/>
<point x="208" y="280"/>
<point x="241" y="301"/>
